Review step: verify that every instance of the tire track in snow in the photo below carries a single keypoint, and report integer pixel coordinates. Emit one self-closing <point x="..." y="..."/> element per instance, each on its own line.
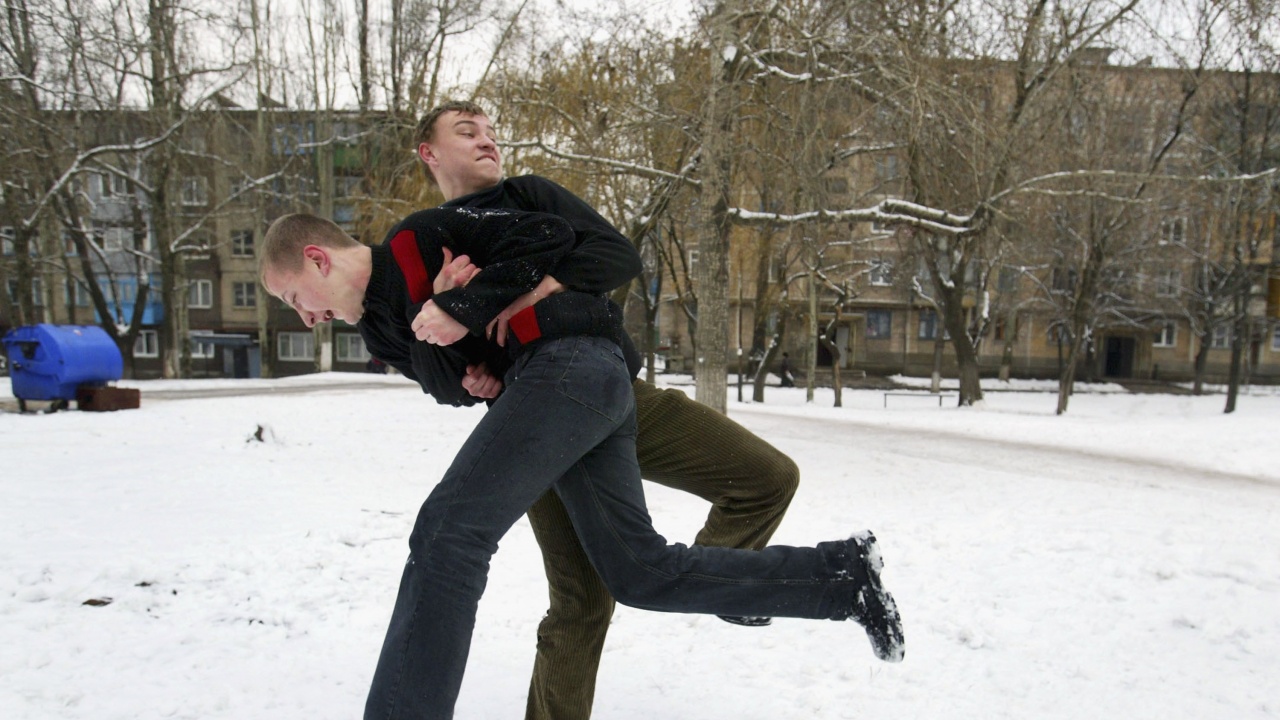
<point x="1071" y="463"/>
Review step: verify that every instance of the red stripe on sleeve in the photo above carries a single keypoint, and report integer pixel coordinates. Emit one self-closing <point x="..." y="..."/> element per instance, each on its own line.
<point x="404" y="246"/>
<point x="525" y="326"/>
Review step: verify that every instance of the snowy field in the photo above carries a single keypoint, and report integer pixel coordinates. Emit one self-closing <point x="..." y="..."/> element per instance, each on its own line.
<point x="1122" y="561"/>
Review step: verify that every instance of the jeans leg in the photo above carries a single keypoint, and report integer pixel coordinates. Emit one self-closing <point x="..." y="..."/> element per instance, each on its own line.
<point x="606" y="502"/>
<point x="561" y="400"/>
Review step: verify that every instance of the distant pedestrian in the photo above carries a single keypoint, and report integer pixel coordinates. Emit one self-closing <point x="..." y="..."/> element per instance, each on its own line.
<point x="785" y="372"/>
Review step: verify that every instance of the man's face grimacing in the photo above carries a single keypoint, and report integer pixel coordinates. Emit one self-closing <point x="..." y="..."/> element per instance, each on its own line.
<point x="463" y="154"/>
<point x="315" y="291"/>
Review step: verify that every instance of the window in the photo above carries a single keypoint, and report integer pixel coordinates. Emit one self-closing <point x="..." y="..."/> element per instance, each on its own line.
<point x="37" y="291"/>
<point x="1275" y="338"/>
<point x="1167" y="335"/>
<point x="6" y="240"/>
<point x="111" y="239"/>
<point x="923" y="273"/>
<point x="201" y="240"/>
<point x="295" y="346"/>
<point x="114" y="185"/>
<point x="887" y="168"/>
<point x="244" y="294"/>
<point x="69" y="244"/>
<point x="775" y="268"/>
<point x="201" y="349"/>
<point x="293" y="139"/>
<point x="195" y="191"/>
<point x="1064" y="279"/>
<point x="879" y="324"/>
<point x="77" y="294"/>
<point x="1008" y="280"/>
<point x="201" y="295"/>
<point x="345" y="187"/>
<point x="881" y="272"/>
<point x="195" y="143"/>
<point x="1002" y="329"/>
<point x="1168" y="282"/>
<point x="242" y="243"/>
<point x="928" y="325"/>
<point x="693" y="263"/>
<point x="351" y="348"/>
<point x="147" y="344"/>
<point x="1221" y="336"/>
<point x="1173" y="231"/>
<point x="837" y="186"/>
<point x="127" y="292"/>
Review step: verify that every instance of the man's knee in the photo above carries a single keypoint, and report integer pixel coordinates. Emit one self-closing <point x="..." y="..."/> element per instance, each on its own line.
<point x="776" y="479"/>
<point x="784" y="479"/>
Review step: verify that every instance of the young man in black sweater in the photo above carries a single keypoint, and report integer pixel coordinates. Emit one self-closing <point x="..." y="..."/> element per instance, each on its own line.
<point x="565" y="420"/>
<point x="680" y="443"/>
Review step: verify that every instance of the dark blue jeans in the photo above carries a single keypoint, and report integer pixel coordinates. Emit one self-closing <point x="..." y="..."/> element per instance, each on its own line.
<point x="567" y="420"/>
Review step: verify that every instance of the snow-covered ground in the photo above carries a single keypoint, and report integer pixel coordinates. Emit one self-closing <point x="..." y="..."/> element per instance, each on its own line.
<point x="1121" y="561"/>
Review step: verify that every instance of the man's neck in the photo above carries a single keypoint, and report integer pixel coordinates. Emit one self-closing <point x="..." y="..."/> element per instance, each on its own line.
<point x="453" y="193"/>
<point x="357" y="268"/>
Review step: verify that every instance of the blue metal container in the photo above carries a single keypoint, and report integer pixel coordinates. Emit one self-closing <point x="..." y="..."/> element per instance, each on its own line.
<point x="48" y="362"/>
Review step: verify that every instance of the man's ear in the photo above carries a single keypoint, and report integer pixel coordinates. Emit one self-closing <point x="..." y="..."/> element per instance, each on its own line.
<point x="426" y="155"/>
<point x="319" y="257"/>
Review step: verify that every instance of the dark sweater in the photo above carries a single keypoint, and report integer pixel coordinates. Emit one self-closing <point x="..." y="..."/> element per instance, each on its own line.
<point x="602" y="259"/>
<point x="514" y="250"/>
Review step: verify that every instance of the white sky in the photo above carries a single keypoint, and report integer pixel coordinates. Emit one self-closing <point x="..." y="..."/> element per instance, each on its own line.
<point x="1121" y="561"/>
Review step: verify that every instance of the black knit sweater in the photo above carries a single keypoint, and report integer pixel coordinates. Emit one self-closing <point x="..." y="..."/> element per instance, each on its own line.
<point x="513" y="250"/>
<point x="602" y="258"/>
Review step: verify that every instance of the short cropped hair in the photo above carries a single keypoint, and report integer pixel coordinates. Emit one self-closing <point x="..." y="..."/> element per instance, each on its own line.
<point x="288" y="235"/>
<point x="426" y="129"/>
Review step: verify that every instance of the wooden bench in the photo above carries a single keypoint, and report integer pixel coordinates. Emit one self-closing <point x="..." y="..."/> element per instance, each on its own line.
<point x="940" y="396"/>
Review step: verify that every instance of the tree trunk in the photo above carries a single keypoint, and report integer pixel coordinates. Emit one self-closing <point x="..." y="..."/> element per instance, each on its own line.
<point x="261" y="141"/>
<point x="811" y="347"/>
<point x="1066" y="381"/>
<point x="966" y="353"/>
<point x="1202" y="361"/>
<point x="1006" y="355"/>
<point x="837" y="383"/>
<point x="1239" y="335"/>
<point x="713" y="249"/>
<point x="650" y="325"/>
<point x="938" y="345"/>
<point x="362" y="41"/>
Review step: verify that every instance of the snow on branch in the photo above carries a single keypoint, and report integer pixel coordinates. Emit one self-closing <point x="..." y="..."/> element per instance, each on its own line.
<point x="628" y="167"/>
<point x="1029" y="184"/>
<point x="846" y="153"/>
<point x="889" y="212"/>
<point x="830" y="74"/>
<point x="83" y="159"/>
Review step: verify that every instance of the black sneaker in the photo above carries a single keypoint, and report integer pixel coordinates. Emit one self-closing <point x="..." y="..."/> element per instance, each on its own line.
<point x="748" y="621"/>
<point x="874" y="607"/>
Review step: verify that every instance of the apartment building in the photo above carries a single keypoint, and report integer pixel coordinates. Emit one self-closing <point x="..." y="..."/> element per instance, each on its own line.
<point x="237" y="169"/>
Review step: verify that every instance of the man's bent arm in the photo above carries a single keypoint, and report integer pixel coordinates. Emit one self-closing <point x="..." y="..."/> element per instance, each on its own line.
<point x="602" y="259"/>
